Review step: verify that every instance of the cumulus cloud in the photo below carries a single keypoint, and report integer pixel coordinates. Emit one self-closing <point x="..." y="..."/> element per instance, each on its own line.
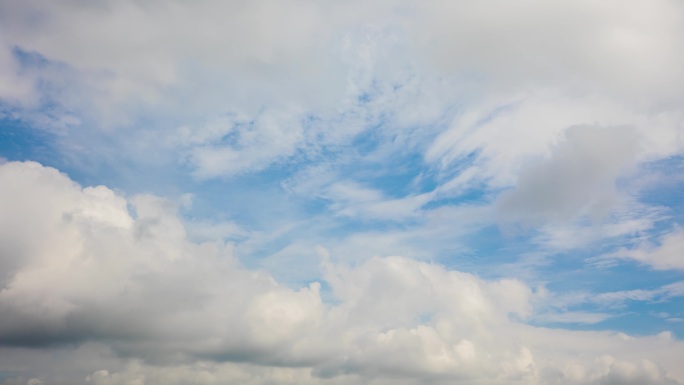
<point x="94" y="269"/>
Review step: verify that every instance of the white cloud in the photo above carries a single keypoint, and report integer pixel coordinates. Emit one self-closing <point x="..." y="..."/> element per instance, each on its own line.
<point x="139" y="49"/>
<point x="159" y="307"/>
<point x="180" y="64"/>
<point x="668" y="253"/>
<point x="616" y="48"/>
<point x="495" y="140"/>
<point x="579" y="179"/>
<point x="554" y="102"/>
<point x="272" y="136"/>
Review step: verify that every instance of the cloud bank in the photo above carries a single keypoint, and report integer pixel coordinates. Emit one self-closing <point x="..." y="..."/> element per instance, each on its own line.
<point x="89" y="269"/>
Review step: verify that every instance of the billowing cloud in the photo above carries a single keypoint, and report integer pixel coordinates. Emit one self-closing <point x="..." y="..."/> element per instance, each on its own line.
<point x="88" y="267"/>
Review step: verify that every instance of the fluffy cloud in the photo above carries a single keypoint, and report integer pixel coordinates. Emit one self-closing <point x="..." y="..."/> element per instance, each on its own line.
<point x="87" y="267"/>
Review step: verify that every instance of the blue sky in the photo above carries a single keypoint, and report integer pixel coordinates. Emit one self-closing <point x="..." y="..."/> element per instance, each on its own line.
<point x="369" y="192"/>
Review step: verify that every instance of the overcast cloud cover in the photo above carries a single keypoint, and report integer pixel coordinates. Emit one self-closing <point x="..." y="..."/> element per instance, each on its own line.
<point x="358" y="192"/>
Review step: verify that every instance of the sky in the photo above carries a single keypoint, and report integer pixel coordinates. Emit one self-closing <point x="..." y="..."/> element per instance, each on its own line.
<point x="319" y="192"/>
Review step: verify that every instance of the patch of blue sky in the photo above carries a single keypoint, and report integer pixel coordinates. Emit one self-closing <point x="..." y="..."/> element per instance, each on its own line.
<point x="478" y="252"/>
<point x="367" y="97"/>
<point x="22" y="140"/>
<point x="572" y="272"/>
<point x="255" y="200"/>
<point x="21" y="143"/>
<point x="651" y="317"/>
<point x="486" y="250"/>
<point x="476" y="195"/>
<point x="367" y="140"/>
<point x="636" y="318"/>
<point x="398" y="179"/>
<point x="569" y="275"/>
<point x="396" y="172"/>
<point x="346" y="226"/>
<point x="666" y="187"/>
